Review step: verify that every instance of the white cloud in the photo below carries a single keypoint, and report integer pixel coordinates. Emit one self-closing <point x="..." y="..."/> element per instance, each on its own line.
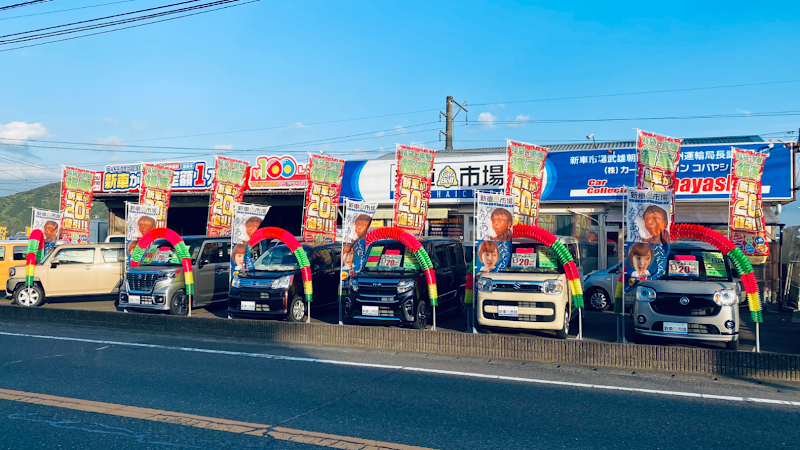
<point x="19" y="132"/>
<point x="110" y="141"/>
<point x="297" y="125"/>
<point x="12" y="172"/>
<point x="113" y="159"/>
<point x="400" y="129"/>
<point x="110" y="120"/>
<point x="417" y="144"/>
<point x="501" y="105"/>
<point x="519" y="122"/>
<point x="487" y="119"/>
<point x="138" y="127"/>
<point x="223" y="147"/>
<point x="379" y="133"/>
<point x="743" y="111"/>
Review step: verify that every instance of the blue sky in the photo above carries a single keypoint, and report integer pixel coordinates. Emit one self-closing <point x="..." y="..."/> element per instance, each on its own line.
<point x="274" y="64"/>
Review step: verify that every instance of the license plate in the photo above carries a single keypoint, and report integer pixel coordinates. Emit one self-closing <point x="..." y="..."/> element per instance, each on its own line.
<point x="507" y="311"/>
<point x="248" y="306"/>
<point x="370" y="310"/>
<point x="675" y="328"/>
<point x="387" y="299"/>
<point x="134" y="299"/>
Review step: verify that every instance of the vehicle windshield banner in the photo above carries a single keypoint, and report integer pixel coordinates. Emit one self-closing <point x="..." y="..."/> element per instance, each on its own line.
<point x="322" y="199"/>
<point x="412" y="188"/>
<point x="357" y="221"/>
<point x="525" y="180"/>
<point x="647" y="227"/>
<point x="49" y="222"/>
<point x="139" y="219"/>
<point x="493" y="231"/>
<point x="76" y="205"/>
<point x="747" y="228"/>
<point x="247" y="219"/>
<point x="156" y="190"/>
<point x="230" y="178"/>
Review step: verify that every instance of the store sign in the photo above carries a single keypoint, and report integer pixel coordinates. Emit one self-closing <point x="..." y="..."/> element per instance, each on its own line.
<point x="76" y="205"/>
<point x="525" y="180"/>
<point x="747" y="224"/>
<point x="412" y="188"/>
<point x="156" y="190"/>
<point x="230" y="178"/>
<point x="277" y="172"/>
<point x="189" y="176"/>
<point x="322" y="198"/>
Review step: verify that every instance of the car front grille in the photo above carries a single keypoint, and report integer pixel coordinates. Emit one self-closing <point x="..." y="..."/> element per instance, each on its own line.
<point x="514" y="286"/>
<point x="521" y="317"/>
<point x="375" y="288"/>
<point x="141" y="282"/>
<point x="696" y="328"/>
<point x="255" y="283"/>
<point x="258" y="295"/>
<point x="699" y="305"/>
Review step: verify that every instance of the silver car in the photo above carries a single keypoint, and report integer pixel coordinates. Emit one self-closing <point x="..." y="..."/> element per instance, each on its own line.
<point x="600" y="286"/>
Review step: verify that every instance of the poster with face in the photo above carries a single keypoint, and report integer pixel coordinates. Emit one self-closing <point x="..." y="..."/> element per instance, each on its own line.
<point x="139" y="219"/>
<point x="246" y="220"/>
<point x="49" y="222"/>
<point x="357" y="220"/>
<point x="493" y="222"/>
<point x="647" y="242"/>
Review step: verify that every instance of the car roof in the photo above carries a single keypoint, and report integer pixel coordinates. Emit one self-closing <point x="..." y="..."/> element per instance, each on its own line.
<point x="692" y="245"/>
<point x="426" y="240"/>
<point x="100" y="244"/>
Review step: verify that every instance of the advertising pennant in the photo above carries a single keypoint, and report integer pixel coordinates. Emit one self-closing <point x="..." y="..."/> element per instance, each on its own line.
<point x="156" y="190"/>
<point x="247" y="220"/>
<point x="412" y="188"/>
<point x="76" y="205"/>
<point x="746" y="221"/>
<point x="230" y="178"/>
<point x="139" y="219"/>
<point x="658" y="161"/>
<point x="357" y="221"/>
<point x="525" y="180"/>
<point x="647" y="225"/>
<point x="322" y="198"/>
<point x="493" y="224"/>
<point x="49" y="222"/>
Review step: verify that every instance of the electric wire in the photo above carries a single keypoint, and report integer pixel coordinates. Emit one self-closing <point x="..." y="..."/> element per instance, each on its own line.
<point x="20" y="5"/>
<point x="65" y="10"/>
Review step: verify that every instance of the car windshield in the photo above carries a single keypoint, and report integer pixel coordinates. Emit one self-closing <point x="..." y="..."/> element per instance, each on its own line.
<point x="161" y="253"/>
<point x="528" y="257"/>
<point x="383" y="257"/>
<point x="697" y="265"/>
<point x="278" y="259"/>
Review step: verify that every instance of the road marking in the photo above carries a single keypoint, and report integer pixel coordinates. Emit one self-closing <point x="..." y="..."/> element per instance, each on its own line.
<point x="211" y="423"/>
<point x="415" y="369"/>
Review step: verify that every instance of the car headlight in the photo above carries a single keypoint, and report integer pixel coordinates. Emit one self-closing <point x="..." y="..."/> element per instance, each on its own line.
<point x="485" y="285"/>
<point x="165" y="275"/>
<point x="12" y="272"/>
<point x="552" y="287"/>
<point x="236" y="282"/>
<point x="725" y="297"/>
<point x="405" y="285"/>
<point x="354" y="284"/>
<point x="645" y="294"/>
<point x="283" y="282"/>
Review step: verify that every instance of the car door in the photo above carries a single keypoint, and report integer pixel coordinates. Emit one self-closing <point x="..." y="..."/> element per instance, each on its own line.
<point x="6" y="260"/>
<point x="205" y="277"/>
<point x="459" y="267"/>
<point x="222" y="272"/>
<point x="320" y="261"/>
<point x="74" y="274"/>
<point x="444" y="275"/>
<point x="109" y="269"/>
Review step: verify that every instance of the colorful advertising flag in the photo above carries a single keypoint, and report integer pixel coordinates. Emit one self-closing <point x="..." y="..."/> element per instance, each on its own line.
<point x="246" y="221"/>
<point x="3" y="233"/>
<point x="746" y="221"/>
<point x="139" y="219"/>
<point x="357" y="221"/>
<point x="230" y="178"/>
<point x="525" y="180"/>
<point x="493" y="224"/>
<point x="76" y="205"/>
<point x="412" y="188"/>
<point x="156" y="190"/>
<point x="658" y="161"/>
<point x="322" y="198"/>
<point x="647" y="225"/>
<point x="49" y="222"/>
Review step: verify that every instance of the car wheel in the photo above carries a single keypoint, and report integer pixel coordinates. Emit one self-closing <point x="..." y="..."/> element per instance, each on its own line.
<point x="598" y="299"/>
<point x="179" y="306"/>
<point x="732" y="345"/>
<point x="564" y="332"/>
<point x="29" y="297"/>
<point x="421" y="320"/>
<point x="297" y="309"/>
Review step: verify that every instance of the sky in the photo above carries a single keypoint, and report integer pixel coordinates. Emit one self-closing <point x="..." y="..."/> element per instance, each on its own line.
<point x="298" y="74"/>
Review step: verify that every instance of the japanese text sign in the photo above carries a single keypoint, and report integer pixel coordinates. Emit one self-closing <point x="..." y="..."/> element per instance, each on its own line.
<point x="658" y="161"/>
<point x="322" y="198"/>
<point x="156" y="190"/>
<point x="230" y="178"/>
<point x="747" y="227"/>
<point x="525" y="180"/>
<point x="76" y="204"/>
<point x="412" y="188"/>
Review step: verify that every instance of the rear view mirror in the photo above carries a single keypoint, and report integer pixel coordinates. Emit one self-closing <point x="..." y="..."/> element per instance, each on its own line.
<point x="203" y="263"/>
<point x="54" y="262"/>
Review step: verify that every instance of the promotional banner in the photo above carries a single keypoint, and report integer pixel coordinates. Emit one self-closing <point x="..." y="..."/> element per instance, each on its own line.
<point x="658" y="161"/>
<point x="49" y="222"/>
<point x="747" y="227"/>
<point x="526" y="164"/>
<point x="412" y="191"/>
<point x="357" y="220"/>
<point x="322" y="198"/>
<point x="3" y="233"/>
<point x="188" y="176"/>
<point x="647" y="242"/>
<point x="76" y="205"/>
<point x="582" y="227"/>
<point x="493" y="225"/>
<point x="139" y="219"/>
<point x="230" y="178"/>
<point x="246" y="221"/>
<point x="277" y="172"/>
<point x="156" y="190"/>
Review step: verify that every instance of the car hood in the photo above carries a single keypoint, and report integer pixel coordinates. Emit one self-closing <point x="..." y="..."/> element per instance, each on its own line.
<point x="263" y="275"/>
<point x="687" y="287"/>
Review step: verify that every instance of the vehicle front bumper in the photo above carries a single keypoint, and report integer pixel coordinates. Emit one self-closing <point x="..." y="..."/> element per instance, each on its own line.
<point x="707" y="323"/>
<point x="159" y="299"/>
<point x="268" y="303"/>
<point x="391" y="309"/>
<point x="536" y="311"/>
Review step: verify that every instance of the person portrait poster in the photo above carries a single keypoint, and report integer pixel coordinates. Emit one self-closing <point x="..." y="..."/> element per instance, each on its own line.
<point x="139" y="219"/>
<point x="246" y="220"/>
<point x="49" y="222"/>
<point x="647" y="242"/>
<point x="493" y="231"/>
<point x="357" y="221"/>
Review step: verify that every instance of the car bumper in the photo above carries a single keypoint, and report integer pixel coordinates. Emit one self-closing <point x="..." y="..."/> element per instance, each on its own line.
<point x="393" y="311"/>
<point x="704" y="328"/>
<point x="535" y="311"/>
<point x="158" y="299"/>
<point x="266" y="303"/>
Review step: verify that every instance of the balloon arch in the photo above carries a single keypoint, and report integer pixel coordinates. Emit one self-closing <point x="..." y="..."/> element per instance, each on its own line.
<point x="147" y="240"/>
<point x="294" y="246"/>
<point x="35" y="255"/>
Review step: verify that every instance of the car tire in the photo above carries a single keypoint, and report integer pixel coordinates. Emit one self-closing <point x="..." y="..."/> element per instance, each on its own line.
<point x="732" y="345"/>
<point x="179" y="304"/>
<point x="421" y="318"/>
<point x="297" y="310"/>
<point x="564" y="332"/>
<point x="597" y="299"/>
<point x="29" y="299"/>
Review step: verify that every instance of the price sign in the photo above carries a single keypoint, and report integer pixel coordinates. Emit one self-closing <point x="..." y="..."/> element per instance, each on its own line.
<point x="413" y="188"/>
<point x="714" y="264"/>
<point x="76" y="204"/>
<point x="684" y="268"/>
<point x="524" y="258"/>
<point x="390" y="261"/>
<point x="658" y="161"/>
<point x="547" y="260"/>
<point x="156" y="190"/>
<point x="230" y="177"/>
<point x="525" y="180"/>
<point x="747" y="224"/>
<point x="322" y="198"/>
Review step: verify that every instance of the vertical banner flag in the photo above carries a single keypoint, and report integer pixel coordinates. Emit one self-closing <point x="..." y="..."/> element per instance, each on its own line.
<point x="493" y="224"/>
<point x="156" y="189"/>
<point x="139" y="220"/>
<point x="746" y="221"/>
<point x="648" y="239"/>
<point x="357" y="220"/>
<point x="230" y="177"/>
<point x="49" y="222"/>
<point x="3" y="233"/>
<point x="322" y="198"/>
<point x="413" y="188"/>
<point x="76" y="205"/>
<point x="246" y="221"/>
<point x="657" y="166"/>
<point x="525" y="180"/>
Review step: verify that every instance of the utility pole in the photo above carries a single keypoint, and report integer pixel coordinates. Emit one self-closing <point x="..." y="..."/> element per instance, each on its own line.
<point x="448" y="114"/>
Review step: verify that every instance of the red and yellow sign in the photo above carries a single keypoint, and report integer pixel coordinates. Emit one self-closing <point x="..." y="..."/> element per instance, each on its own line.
<point x="322" y="198"/>
<point x="525" y="180"/>
<point x="277" y="172"/>
<point x="230" y="178"/>
<point x="658" y="161"/>
<point x="156" y="190"/>
<point x="747" y="224"/>
<point x="76" y="205"/>
<point x="412" y="191"/>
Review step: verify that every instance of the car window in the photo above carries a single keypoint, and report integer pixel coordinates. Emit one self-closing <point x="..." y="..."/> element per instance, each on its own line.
<point x="336" y="253"/>
<point x="112" y="255"/>
<point x="75" y="256"/>
<point x="20" y="252"/>
<point x="2" y="253"/>
<point x="457" y="253"/>
<point x="214" y="253"/>
<point x="442" y="256"/>
<point x="531" y="257"/>
<point x="431" y="250"/>
<point x="226" y="252"/>
<point x="392" y="256"/>
<point x="697" y="265"/>
<point x="322" y="258"/>
<point x="576" y="256"/>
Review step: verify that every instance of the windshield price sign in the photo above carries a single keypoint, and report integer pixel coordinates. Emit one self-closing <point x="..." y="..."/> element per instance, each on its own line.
<point x="413" y="188"/>
<point x="524" y="258"/>
<point x="684" y="268"/>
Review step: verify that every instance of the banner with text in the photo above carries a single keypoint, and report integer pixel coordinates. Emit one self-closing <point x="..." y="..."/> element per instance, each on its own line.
<point x="746" y="221"/>
<point x="230" y="178"/>
<point x="493" y="224"/>
<point x="658" y="161"/>
<point x="157" y="189"/>
<point x="49" y="222"/>
<point x="322" y="198"/>
<point x="246" y="221"/>
<point x="412" y="188"/>
<point x="647" y="240"/>
<point x="357" y="221"/>
<point x="139" y="219"/>
<point x="76" y="205"/>
<point x="525" y="180"/>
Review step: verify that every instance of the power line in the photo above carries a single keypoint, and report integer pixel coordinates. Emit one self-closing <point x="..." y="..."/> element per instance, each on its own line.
<point x="710" y="116"/>
<point x="65" y="10"/>
<point x="20" y="5"/>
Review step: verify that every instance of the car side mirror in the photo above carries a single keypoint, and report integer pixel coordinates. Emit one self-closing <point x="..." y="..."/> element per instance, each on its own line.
<point x="203" y="263"/>
<point x="54" y="263"/>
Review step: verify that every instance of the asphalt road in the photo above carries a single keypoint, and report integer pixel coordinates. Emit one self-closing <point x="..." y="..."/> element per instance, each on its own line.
<point x="397" y="398"/>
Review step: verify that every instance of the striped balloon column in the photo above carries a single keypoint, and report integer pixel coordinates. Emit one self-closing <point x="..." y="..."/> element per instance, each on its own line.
<point x="291" y="242"/>
<point x="35" y="255"/>
<point x="180" y="248"/>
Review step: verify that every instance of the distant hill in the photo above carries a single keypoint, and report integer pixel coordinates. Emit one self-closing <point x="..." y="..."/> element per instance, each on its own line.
<point x="15" y="210"/>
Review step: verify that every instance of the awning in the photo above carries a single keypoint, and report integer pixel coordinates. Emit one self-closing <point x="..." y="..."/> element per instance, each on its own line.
<point x="702" y="214"/>
<point x="433" y="213"/>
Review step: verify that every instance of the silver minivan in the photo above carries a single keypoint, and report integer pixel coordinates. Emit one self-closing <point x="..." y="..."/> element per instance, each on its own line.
<point x="158" y="284"/>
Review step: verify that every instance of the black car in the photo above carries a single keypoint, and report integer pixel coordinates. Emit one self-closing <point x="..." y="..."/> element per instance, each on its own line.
<point x="391" y="288"/>
<point x="275" y="288"/>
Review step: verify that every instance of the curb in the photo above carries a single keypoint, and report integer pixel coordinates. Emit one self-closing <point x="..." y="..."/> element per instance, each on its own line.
<point x="766" y="366"/>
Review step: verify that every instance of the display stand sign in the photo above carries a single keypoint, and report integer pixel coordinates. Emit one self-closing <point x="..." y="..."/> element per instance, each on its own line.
<point x="247" y="219"/>
<point x="525" y="180"/>
<point x="357" y="222"/>
<point x="493" y="225"/>
<point x="76" y="205"/>
<point x="156" y="190"/>
<point x="49" y="222"/>
<point x="648" y="238"/>
<point x="139" y="220"/>
<point x="412" y="188"/>
<point x="747" y="226"/>
<point x="230" y="178"/>
<point x="322" y="198"/>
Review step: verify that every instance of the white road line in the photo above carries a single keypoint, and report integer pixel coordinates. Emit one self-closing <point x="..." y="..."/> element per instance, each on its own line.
<point x="415" y="369"/>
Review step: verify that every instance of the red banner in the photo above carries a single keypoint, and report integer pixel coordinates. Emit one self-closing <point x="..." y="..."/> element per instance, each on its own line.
<point x="322" y="198"/>
<point x="230" y="178"/>
<point x="156" y="190"/>
<point x="413" y="188"/>
<point x="747" y="224"/>
<point x="525" y="180"/>
<point x="76" y="205"/>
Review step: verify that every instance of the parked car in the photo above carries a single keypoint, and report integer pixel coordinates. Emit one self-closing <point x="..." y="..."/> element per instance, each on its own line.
<point x="695" y="299"/>
<point x="275" y="288"/>
<point x="72" y="269"/>
<point x="531" y="293"/>
<point x="12" y="253"/>
<point x="158" y="284"/>
<point x="116" y="238"/>
<point x="600" y="286"/>
<point x="393" y="289"/>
